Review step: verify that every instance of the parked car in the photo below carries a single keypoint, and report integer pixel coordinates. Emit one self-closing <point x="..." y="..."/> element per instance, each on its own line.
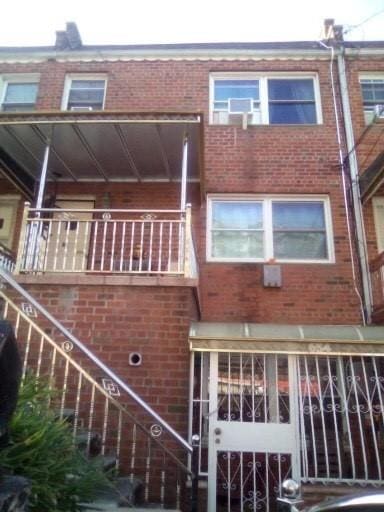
<point x="360" y="502"/>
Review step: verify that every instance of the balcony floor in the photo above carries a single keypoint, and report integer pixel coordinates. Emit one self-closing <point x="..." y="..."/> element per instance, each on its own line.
<point x="107" y="280"/>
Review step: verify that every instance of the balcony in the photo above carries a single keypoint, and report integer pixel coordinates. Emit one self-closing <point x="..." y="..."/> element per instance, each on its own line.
<point x="122" y="242"/>
<point x="376" y="268"/>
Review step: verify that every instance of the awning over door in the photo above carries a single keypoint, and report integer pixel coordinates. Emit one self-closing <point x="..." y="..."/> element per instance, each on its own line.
<point x="99" y="146"/>
<point x="292" y="339"/>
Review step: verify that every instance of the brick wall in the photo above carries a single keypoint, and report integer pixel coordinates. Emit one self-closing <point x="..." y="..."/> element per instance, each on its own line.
<point x="260" y="160"/>
<point x="114" y="321"/>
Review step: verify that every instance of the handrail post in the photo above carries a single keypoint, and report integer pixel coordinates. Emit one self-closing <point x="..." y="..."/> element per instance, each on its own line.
<point x="22" y="241"/>
<point x="187" y="240"/>
<point x="195" y="473"/>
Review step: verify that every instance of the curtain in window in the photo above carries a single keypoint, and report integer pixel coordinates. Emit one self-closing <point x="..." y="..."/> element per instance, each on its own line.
<point x="21" y="93"/>
<point x="291" y="101"/>
<point x="237" y="230"/>
<point x="299" y="230"/>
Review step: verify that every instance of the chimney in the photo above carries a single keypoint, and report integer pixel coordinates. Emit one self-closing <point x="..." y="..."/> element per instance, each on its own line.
<point x="68" y="39"/>
<point x="331" y="32"/>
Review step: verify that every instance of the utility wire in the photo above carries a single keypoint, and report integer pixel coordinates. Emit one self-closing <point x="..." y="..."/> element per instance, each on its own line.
<point x="353" y="27"/>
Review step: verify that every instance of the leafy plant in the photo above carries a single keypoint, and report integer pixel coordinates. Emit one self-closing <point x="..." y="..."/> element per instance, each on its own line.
<point x="42" y="450"/>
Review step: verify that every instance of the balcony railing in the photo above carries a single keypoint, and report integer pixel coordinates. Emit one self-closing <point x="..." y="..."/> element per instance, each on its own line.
<point x="377" y="282"/>
<point x="156" y="242"/>
<point x="7" y="258"/>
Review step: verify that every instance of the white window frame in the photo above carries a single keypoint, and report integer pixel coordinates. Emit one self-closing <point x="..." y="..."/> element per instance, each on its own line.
<point x="81" y="76"/>
<point x="14" y="78"/>
<point x="267" y="201"/>
<point x="263" y="89"/>
<point x="369" y="114"/>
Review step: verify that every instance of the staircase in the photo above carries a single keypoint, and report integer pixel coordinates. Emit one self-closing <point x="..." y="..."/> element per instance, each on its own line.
<point x="137" y="442"/>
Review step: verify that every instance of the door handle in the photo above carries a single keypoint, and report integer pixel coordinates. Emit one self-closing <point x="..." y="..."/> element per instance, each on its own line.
<point x="217" y="431"/>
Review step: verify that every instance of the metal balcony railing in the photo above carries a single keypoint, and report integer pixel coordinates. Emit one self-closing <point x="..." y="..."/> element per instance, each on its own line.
<point x="138" y="242"/>
<point x="7" y="258"/>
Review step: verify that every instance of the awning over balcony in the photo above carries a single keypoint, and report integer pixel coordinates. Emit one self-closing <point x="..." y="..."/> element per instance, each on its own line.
<point x="292" y="339"/>
<point x="100" y="146"/>
<point x="372" y="178"/>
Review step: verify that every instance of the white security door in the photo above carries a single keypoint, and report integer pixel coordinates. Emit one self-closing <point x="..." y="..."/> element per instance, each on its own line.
<point x="253" y="432"/>
<point x="8" y="211"/>
<point x="66" y="248"/>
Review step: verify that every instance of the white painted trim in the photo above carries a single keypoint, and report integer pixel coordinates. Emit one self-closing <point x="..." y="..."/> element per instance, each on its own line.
<point x="81" y="76"/>
<point x="267" y="219"/>
<point x="263" y="90"/>
<point x="378" y="217"/>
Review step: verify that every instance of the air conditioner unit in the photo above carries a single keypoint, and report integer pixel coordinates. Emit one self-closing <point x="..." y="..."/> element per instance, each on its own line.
<point x="81" y="109"/>
<point x="378" y="110"/>
<point x="240" y="105"/>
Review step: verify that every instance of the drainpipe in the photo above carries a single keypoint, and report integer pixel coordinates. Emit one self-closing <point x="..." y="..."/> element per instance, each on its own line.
<point x="354" y="175"/>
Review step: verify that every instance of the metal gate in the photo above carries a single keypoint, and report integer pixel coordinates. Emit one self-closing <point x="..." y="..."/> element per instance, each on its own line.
<point x="253" y="436"/>
<point x="262" y="418"/>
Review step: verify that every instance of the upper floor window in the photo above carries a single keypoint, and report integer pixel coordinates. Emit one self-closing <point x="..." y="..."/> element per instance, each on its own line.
<point x="372" y="88"/>
<point x="84" y="93"/>
<point x="288" y="229"/>
<point x="272" y="99"/>
<point x="19" y="93"/>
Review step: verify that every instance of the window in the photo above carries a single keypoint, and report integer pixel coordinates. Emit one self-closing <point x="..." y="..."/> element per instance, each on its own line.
<point x="84" y="93"/>
<point x="272" y="99"/>
<point x="373" y="96"/>
<point x="19" y="93"/>
<point x="260" y="229"/>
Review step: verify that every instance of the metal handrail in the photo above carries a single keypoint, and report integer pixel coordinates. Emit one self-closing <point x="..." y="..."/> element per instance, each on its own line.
<point x="11" y="281"/>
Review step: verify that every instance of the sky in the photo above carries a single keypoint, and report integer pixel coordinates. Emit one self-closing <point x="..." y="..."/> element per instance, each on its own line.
<point x="34" y="22"/>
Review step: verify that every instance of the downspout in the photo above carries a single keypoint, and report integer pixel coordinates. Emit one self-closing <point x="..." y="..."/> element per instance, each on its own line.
<point x="354" y="175"/>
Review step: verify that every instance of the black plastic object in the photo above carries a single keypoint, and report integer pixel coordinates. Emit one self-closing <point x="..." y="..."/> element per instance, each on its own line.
<point x="10" y="375"/>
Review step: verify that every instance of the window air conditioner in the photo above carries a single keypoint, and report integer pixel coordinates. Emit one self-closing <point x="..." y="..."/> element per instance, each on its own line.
<point x="81" y="109"/>
<point x="378" y="110"/>
<point x="240" y="105"/>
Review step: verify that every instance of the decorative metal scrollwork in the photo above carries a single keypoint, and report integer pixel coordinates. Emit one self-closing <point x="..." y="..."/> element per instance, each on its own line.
<point x="111" y="387"/>
<point x="156" y="430"/>
<point x="148" y="216"/>
<point x="67" y="346"/>
<point x="28" y="309"/>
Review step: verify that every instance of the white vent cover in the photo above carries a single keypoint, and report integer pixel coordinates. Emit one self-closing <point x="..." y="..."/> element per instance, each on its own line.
<point x="82" y="109"/>
<point x="240" y="105"/>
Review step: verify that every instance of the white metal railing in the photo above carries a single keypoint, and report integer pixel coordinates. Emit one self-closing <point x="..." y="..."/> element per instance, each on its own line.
<point x="7" y="259"/>
<point x="156" y="242"/>
<point x="341" y="403"/>
<point x="101" y="403"/>
<point x="340" y="411"/>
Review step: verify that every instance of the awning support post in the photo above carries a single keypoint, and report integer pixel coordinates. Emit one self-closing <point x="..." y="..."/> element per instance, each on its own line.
<point x="184" y="170"/>
<point x="43" y="176"/>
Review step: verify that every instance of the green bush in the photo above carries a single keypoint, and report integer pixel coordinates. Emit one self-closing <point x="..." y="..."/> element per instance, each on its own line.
<point x="42" y="450"/>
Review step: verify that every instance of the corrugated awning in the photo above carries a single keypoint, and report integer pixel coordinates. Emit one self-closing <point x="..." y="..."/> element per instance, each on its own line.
<point x="294" y="339"/>
<point x="100" y="146"/>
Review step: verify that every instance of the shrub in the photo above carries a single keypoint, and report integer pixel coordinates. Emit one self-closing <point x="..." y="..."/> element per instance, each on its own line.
<point x="42" y="449"/>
